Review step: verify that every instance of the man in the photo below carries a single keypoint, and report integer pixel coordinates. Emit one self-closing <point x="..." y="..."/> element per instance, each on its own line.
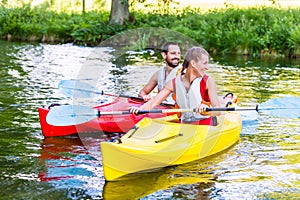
<point x="171" y="54"/>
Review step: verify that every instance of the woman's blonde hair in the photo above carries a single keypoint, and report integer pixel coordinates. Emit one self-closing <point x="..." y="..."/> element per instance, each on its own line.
<point x="194" y="53"/>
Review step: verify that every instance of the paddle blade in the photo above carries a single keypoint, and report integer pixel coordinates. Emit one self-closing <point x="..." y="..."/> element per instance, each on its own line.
<point x="67" y="115"/>
<point x="76" y="88"/>
<point x="286" y="107"/>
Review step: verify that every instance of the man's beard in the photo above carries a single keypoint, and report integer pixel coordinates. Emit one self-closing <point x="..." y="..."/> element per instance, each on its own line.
<point x="171" y="64"/>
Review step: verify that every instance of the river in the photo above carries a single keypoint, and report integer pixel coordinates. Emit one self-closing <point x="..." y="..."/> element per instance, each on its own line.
<point x="264" y="164"/>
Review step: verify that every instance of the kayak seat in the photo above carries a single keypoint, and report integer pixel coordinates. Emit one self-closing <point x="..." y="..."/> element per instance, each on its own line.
<point x="211" y="121"/>
<point x="230" y="98"/>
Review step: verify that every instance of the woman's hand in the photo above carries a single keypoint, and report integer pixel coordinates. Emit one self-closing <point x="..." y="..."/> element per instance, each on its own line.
<point x="134" y="110"/>
<point x="202" y="108"/>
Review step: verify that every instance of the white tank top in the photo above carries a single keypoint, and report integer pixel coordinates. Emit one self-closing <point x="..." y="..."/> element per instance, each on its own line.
<point x="189" y="99"/>
<point x="162" y="80"/>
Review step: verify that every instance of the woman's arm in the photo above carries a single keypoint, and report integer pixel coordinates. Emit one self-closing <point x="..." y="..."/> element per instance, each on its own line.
<point x="213" y="96"/>
<point x="157" y="100"/>
<point x="212" y="92"/>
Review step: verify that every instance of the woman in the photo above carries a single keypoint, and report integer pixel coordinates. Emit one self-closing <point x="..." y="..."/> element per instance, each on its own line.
<point x="192" y="89"/>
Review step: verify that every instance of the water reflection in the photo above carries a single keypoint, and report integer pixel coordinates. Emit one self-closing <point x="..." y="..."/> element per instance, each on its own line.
<point x="266" y="77"/>
<point x="151" y="185"/>
<point x="192" y="181"/>
<point x="244" y="60"/>
<point x="68" y="165"/>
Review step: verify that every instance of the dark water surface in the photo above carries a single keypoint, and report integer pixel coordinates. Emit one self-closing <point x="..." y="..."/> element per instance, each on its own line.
<point x="265" y="164"/>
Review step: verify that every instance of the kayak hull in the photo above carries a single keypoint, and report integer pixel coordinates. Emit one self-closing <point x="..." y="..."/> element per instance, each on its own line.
<point x="107" y="123"/>
<point x="155" y="143"/>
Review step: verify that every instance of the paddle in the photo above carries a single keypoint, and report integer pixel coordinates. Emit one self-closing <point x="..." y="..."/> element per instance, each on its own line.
<point x="76" y="88"/>
<point x="286" y="107"/>
<point x="66" y="115"/>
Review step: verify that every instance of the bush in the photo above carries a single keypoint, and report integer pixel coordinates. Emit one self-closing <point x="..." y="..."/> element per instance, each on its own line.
<point x="253" y="31"/>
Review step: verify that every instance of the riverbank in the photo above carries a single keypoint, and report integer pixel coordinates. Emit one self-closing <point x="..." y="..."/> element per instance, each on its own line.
<point x="242" y="31"/>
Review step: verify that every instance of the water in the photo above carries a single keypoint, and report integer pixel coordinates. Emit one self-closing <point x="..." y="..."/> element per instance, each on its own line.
<point x="263" y="165"/>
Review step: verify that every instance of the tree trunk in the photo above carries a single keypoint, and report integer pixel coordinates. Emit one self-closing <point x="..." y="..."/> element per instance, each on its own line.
<point x="119" y="12"/>
<point x="83" y="6"/>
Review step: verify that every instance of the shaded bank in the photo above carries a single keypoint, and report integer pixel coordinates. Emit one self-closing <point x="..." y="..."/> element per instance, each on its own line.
<point x="250" y="31"/>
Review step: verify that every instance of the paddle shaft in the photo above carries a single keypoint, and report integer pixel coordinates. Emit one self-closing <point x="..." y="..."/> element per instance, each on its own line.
<point x="137" y="98"/>
<point x="127" y="112"/>
<point x="112" y="95"/>
<point x="122" y="95"/>
<point x="99" y="113"/>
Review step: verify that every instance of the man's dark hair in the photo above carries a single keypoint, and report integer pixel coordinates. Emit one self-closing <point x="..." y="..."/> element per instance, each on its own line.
<point x="165" y="46"/>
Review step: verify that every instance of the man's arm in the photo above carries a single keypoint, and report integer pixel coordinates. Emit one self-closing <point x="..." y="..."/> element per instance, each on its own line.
<point x="158" y="99"/>
<point x="152" y="83"/>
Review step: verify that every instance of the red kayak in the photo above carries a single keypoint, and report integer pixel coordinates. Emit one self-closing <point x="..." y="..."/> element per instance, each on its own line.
<point x="105" y="123"/>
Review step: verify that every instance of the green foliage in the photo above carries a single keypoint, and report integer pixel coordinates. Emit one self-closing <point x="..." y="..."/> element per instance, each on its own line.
<point x="94" y="32"/>
<point x="255" y="31"/>
<point x="244" y="31"/>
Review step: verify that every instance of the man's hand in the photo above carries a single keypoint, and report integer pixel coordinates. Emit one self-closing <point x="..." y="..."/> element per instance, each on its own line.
<point x="147" y="97"/>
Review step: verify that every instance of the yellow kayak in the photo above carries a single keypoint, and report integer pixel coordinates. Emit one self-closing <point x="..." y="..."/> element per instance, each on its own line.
<point x="155" y="143"/>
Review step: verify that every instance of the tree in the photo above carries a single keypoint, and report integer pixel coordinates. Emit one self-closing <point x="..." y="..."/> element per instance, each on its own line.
<point x="119" y="12"/>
